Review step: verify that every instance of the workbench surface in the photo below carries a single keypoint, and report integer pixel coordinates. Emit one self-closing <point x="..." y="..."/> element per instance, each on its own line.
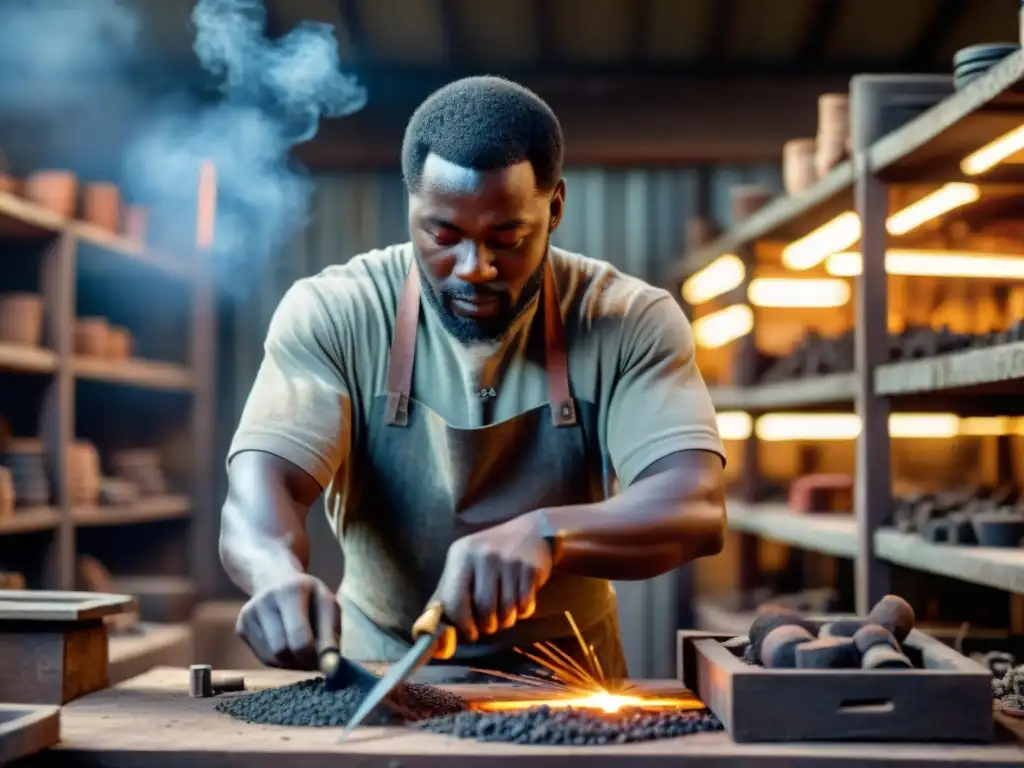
<point x="150" y="722"/>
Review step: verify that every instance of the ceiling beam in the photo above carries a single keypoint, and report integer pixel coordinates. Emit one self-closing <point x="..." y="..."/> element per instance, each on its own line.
<point x="947" y="14"/>
<point x="546" y="32"/>
<point x="452" y="29"/>
<point x="820" y="29"/>
<point x="352" y="20"/>
<point x="719" y="31"/>
<point x="639" y="28"/>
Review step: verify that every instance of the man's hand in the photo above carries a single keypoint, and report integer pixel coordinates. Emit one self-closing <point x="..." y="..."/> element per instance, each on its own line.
<point x="491" y="578"/>
<point x="281" y="623"/>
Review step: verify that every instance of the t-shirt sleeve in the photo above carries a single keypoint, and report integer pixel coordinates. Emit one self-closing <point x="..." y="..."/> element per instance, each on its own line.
<point x="659" y="403"/>
<point x="299" y="407"/>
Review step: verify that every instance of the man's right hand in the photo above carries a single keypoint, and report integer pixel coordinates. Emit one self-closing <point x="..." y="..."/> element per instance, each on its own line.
<point x="284" y="621"/>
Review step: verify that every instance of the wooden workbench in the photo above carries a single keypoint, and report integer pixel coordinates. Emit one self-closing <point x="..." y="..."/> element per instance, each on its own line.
<point x="150" y="722"/>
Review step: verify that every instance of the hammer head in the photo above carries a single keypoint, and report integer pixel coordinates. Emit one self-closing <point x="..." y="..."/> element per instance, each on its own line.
<point x="340" y="673"/>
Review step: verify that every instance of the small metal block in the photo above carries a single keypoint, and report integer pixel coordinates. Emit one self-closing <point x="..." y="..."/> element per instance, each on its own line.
<point x="200" y="681"/>
<point x="228" y="684"/>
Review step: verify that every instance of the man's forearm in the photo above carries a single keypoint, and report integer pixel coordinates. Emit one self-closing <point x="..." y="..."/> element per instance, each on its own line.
<point x="674" y="514"/>
<point x="263" y="526"/>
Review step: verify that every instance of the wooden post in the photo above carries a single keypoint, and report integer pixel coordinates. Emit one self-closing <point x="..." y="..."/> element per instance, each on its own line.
<point x="57" y="420"/>
<point x="202" y="361"/>
<point x="873" y="484"/>
<point x="745" y="375"/>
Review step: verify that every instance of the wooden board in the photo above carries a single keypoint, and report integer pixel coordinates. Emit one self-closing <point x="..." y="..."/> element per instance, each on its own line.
<point x="957" y="371"/>
<point x="998" y="567"/>
<point x="835" y="389"/>
<point x="949" y="700"/>
<point x="831" y="533"/>
<point x="39" y="605"/>
<point x="150" y="722"/>
<point x="26" y="730"/>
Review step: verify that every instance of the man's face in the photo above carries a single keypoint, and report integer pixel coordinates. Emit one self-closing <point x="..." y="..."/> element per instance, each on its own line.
<point x="480" y="239"/>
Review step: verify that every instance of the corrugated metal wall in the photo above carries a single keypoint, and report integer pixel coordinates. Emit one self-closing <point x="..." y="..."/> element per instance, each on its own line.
<point x="635" y="219"/>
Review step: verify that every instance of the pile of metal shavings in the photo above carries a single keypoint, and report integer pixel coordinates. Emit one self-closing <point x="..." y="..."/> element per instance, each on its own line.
<point x="307" y="703"/>
<point x="1007" y="681"/>
<point x="544" y="725"/>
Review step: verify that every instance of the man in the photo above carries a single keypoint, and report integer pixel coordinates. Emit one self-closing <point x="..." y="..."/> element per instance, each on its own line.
<point x="458" y="397"/>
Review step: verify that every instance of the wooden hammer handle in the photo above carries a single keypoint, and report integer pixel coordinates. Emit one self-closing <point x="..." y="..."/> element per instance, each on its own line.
<point x="429" y="621"/>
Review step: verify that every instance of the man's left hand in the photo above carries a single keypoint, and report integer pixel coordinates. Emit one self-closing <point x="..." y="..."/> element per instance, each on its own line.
<point x="491" y="578"/>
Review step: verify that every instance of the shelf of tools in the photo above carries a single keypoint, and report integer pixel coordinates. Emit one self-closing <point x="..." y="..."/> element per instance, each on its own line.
<point x="106" y="380"/>
<point x="878" y="307"/>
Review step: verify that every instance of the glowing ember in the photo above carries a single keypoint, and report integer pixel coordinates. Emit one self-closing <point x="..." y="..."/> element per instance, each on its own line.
<point x="604" y="701"/>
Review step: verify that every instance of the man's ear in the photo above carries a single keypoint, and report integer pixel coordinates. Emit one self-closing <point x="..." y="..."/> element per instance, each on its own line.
<point x="557" y="205"/>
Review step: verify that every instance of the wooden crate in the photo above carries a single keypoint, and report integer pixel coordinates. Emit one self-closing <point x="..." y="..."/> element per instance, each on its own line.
<point x="26" y="730"/>
<point x="54" y="644"/>
<point x="949" y="700"/>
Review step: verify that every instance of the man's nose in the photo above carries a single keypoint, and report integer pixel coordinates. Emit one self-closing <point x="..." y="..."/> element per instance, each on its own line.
<point x="474" y="263"/>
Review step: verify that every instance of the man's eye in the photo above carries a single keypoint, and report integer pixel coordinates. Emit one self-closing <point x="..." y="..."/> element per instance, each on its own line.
<point x="444" y="238"/>
<point x="505" y="245"/>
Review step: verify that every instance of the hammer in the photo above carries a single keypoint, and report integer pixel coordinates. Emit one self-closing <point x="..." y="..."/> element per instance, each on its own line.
<point x="339" y="673"/>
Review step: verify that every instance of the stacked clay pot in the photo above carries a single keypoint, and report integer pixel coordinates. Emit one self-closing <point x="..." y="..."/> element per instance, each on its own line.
<point x="96" y="337"/>
<point x="25" y="460"/>
<point x="833" y="140"/>
<point x="141" y="467"/>
<point x="84" y="473"/>
<point x="798" y="165"/>
<point x="21" y="319"/>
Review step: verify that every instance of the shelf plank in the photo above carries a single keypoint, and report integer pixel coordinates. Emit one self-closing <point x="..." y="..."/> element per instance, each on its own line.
<point x="957" y="370"/>
<point x="833" y="389"/>
<point x="139" y="373"/>
<point x="21" y="218"/>
<point x="789" y="216"/>
<point x="143" y="511"/>
<point x="998" y="567"/>
<point x="30" y="520"/>
<point x="102" y="239"/>
<point x="933" y="143"/>
<point x="22" y="358"/>
<point x="826" y="532"/>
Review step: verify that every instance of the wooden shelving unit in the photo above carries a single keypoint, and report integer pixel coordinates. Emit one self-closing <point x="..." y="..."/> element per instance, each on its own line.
<point x="159" y="535"/>
<point x="907" y="130"/>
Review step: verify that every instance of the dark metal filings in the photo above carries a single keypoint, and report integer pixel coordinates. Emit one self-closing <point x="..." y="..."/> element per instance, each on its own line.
<point x="307" y="703"/>
<point x="571" y="727"/>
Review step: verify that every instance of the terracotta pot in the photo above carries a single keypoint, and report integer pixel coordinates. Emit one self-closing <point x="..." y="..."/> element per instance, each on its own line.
<point x="101" y="205"/>
<point x="54" y="190"/>
<point x="828" y="154"/>
<point x="798" y="171"/>
<point x="119" y="343"/>
<point x="21" y="319"/>
<point x="91" y="335"/>
<point x="84" y="473"/>
<point x="135" y="222"/>
<point x="833" y="113"/>
<point x="746" y="199"/>
<point x="8" y="184"/>
<point x="6" y="493"/>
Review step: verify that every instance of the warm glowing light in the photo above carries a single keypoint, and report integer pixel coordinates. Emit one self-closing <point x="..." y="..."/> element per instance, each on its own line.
<point x="798" y="292"/>
<point x="723" y="326"/>
<point x="810" y="250"/>
<point x="777" y="427"/>
<point x="603" y="701"/>
<point x="943" y="200"/>
<point x="991" y="426"/>
<point x="722" y="275"/>
<point x="933" y="264"/>
<point x="735" y="425"/>
<point x="993" y="153"/>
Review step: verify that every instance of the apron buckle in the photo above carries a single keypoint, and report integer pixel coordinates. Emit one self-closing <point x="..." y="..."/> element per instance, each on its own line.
<point x="397" y="413"/>
<point x="565" y="415"/>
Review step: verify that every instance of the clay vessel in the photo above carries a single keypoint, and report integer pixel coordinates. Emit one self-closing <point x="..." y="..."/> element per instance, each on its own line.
<point x="6" y="493"/>
<point x="84" y="473"/>
<point x="135" y="221"/>
<point x="91" y="335"/>
<point x="833" y="131"/>
<point x="21" y="319"/>
<point x="798" y="171"/>
<point x="54" y="190"/>
<point x="119" y="343"/>
<point x="101" y="205"/>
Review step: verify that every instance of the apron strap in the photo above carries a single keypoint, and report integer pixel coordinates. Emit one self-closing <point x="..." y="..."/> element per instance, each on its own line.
<point x="403" y="353"/>
<point x="563" y="408"/>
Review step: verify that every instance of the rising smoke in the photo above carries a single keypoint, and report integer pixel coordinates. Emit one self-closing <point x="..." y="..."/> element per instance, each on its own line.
<point x="65" y="64"/>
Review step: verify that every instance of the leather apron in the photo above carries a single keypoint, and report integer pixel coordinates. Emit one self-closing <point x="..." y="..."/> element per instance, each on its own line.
<point x="422" y="483"/>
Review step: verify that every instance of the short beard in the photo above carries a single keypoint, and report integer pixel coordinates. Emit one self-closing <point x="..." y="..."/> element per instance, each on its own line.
<point x="468" y="330"/>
